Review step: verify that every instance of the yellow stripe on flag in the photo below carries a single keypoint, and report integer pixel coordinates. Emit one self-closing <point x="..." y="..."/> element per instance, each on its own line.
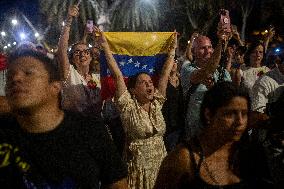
<point x="139" y="43"/>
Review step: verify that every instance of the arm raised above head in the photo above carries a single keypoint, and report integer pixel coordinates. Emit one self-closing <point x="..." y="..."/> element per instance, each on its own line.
<point x="112" y="64"/>
<point x="209" y="67"/>
<point x="166" y="70"/>
<point x="62" y="56"/>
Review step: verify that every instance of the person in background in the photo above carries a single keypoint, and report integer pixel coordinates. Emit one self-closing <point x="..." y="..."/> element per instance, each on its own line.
<point x="266" y="90"/>
<point x="199" y="76"/>
<point x="254" y="60"/>
<point x="42" y="146"/>
<point x="81" y="93"/>
<point x="173" y="110"/>
<point x="219" y="157"/>
<point x="140" y="104"/>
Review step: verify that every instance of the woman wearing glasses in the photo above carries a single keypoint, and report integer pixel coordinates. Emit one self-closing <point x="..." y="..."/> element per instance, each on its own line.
<point x="81" y="88"/>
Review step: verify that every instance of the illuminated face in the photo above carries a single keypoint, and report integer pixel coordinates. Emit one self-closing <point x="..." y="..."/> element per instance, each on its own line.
<point x="81" y="55"/>
<point x="256" y="56"/>
<point x="28" y="84"/>
<point x="144" y="88"/>
<point x="203" y="50"/>
<point x="231" y="120"/>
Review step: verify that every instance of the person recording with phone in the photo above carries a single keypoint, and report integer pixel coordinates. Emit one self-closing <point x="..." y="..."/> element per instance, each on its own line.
<point x="202" y="74"/>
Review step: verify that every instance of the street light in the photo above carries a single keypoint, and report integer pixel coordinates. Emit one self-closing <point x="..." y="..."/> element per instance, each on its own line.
<point x="5" y="47"/>
<point x="14" y="22"/>
<point x="36" y="35"/>
<point x="15" y="43"/>
<point x="3" y="33"/>
<point x="22" y="36"/>
<point x="9" y="45"/>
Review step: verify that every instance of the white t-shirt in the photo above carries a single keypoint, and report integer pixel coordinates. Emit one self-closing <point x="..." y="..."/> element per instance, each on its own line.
<point x="250" y="76"/>
<point x="267" y="89"/>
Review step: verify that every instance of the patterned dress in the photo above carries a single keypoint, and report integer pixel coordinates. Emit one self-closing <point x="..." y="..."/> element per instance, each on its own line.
<point x="145" y="149"/>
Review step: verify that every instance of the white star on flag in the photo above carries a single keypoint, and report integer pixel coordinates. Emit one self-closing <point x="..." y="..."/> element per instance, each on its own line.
<point x="136" y="64"/>
<point x="130" y="61"/>
<point x="122" y="63"/>
<point x="144" y="66"/>
<point x="108" y="72"/>
<point x="151" y="70"/>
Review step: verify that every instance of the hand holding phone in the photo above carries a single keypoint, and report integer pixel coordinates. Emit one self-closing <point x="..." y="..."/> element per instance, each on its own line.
<point x="89" y="26"/>
<point x="225" y="20"/>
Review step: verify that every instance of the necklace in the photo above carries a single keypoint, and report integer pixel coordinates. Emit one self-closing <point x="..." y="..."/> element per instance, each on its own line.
<point x="212" y="176"/>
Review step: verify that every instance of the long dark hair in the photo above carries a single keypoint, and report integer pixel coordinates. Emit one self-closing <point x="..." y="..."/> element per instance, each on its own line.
<point x="219" y="96"/>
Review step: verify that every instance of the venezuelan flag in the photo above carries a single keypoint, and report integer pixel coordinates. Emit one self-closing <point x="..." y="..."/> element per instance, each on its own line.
<point x="134" y="52"/>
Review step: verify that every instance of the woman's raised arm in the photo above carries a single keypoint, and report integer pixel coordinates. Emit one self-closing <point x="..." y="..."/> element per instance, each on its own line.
<point x="163" y="82"/>
<point x="62" y="55"/>
<point x="112" y="65"/>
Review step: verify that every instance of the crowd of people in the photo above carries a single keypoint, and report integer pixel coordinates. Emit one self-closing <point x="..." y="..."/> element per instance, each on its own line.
<point x="214" y="119"/>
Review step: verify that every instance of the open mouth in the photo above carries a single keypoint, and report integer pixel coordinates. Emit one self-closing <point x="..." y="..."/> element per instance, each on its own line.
<point x="149" y="91"/>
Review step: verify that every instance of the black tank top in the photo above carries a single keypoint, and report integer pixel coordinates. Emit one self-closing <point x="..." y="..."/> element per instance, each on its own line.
<point x="198" y="182"/>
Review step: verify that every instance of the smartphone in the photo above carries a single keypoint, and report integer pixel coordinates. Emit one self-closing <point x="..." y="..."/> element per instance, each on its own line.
<point x="225" y="20"/>
<point x="90" y="26"/>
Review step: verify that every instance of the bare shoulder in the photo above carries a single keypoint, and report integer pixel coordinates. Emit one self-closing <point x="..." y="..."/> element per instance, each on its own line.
<point x="174" y="168"/>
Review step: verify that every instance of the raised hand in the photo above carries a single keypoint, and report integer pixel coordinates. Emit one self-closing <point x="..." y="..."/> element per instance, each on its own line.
<point x="73" y="11"/>
<point x="223" y="34"/>
<point x="173" y="45"/>
<point x="99" y="37"/>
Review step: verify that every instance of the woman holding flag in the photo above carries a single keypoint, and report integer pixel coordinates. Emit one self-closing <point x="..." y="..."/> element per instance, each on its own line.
<point x="140" y="107"/>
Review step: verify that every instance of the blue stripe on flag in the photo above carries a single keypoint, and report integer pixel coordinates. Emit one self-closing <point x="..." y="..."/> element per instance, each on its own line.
<point x="131" y="65"/>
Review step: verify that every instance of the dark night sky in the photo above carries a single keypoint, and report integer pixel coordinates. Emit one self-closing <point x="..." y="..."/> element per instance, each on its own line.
<point x="8" y="8"/>
<point x="28" y="7"/>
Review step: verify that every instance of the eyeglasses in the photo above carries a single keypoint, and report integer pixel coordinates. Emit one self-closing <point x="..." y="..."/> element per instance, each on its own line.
<point x="79" y="52"/>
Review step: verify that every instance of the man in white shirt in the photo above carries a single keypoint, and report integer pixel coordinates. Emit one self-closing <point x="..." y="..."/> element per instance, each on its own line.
<point x="266" y="90"/>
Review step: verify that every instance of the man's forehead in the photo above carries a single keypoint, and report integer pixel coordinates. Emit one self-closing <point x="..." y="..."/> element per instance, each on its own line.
<point x="202" y="41"/>
<point x="26" y="61"/>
